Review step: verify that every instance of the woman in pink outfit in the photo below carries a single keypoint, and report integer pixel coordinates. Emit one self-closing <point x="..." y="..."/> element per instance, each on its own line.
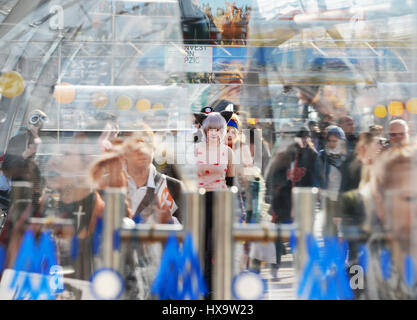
<point x="214" y="158"/>
<point x="215" y="172"/>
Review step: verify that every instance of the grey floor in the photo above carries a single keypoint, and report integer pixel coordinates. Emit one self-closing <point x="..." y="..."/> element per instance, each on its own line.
<point x="283" y="288"/>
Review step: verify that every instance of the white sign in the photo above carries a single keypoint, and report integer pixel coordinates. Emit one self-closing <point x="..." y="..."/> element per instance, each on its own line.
<point x="189" y="58"/>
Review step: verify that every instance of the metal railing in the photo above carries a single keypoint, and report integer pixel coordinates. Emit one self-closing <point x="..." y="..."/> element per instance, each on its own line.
<point x="226" y="231"/>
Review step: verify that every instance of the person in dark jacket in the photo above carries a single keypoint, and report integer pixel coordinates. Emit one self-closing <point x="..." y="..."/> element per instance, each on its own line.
<point x="348" y="126"/>
<point x="294" y="167"/>
<point x="331" y="159"/>
<point x="21" y="149"/>
<point x="329" y="175"/>
<point x="19" y="165"/>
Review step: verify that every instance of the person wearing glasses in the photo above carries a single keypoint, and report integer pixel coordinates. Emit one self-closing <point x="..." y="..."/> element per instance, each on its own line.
<point x="19" y="165"/>
<point x="22" y="148"/>
<point x="152" y="197"/>
<point x="398" y="132"/>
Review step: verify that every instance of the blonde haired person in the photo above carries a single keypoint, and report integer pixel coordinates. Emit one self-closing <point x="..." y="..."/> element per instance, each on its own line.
<point x="129" y="165"/>
<point x="394" y="216"/>
<point x="381" y="214"/>
<point x="355" y="203"/>
<point x="152" y="197"/>
<point x="236" y="140"/>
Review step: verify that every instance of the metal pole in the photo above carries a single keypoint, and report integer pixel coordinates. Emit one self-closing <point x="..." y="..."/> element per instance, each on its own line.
<point x="152" y="232"/>
<point x="112" y="221"/>
<point x="51" y="221"/>
<point x="304" y="201"/>
<point x="161" y="232"/>
<point x="257" y="232"/>
<point x="194" y="204"/>
<point x="329" y="211"/>
<point x="223" y="214"/>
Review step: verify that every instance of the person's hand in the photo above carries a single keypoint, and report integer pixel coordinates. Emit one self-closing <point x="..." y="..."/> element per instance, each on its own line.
<point x="162" y="215"/>
<point x="105" y="145"/>
<point x="105" y="137"/>
<point x="30" y="150"/>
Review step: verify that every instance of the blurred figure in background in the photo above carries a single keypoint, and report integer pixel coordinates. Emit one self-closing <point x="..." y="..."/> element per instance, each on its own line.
<point x="237" y="141"/>
<point x="398" y="132"/>
<point x="348" y="126"/>
<point x="197" y="133"/>
<point x="331" y="159"/>
<point x="130" y="164"/>
<point x="357" y="201"/>
<point x="242" y="159"/>
<point x="19" y="165"/>
<point x="376" y="130"/>
<point x="19" y="161"/>
<point x="297" y="166"/>
<point x="285" y="137"/>
<point x="352" y="166"/>
<point x="259" y="212"/>
<point x="66" y="174"/>
<point x="152" y="197"/>
<point x="257" y="142"/>
<point x="395" y="215"/>
<point x="315" y="135"/>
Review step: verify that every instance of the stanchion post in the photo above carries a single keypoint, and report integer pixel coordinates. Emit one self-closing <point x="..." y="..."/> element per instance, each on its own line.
<point x="330" y="211"/>
<point x="223" y="215"/>
<point x="194" y="204"/>
<point x="304" y="201"/>
<point x="114" y="212"/>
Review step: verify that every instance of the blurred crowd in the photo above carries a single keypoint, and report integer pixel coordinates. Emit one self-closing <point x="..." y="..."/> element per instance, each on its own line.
<point x="365" y="182"/>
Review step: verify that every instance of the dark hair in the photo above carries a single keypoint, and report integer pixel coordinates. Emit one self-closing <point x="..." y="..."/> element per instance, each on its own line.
<point x="303" y="132"/>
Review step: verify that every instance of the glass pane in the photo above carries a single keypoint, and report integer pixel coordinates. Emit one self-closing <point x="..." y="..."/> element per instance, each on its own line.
<point x="107" y="112"/>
